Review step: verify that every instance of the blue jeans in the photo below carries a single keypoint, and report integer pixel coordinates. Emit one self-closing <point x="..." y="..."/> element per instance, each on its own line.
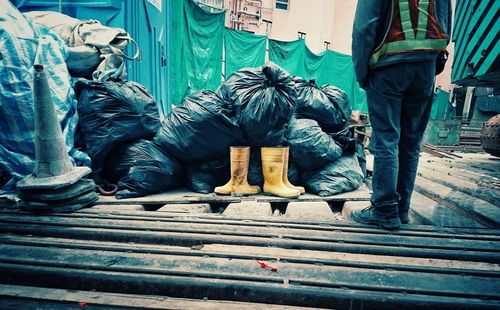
<point x="399" y="104"/>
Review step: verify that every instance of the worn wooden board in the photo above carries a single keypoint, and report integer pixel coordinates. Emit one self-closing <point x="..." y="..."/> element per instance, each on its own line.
<point x="280" y="291"/>
<point x="480" y="210"/>
<point x="245" y="269"/>
<point x="281" y="222"/>
<point x="433" y="213"/>
<point x="186" y="196"/>
<point x="446" y="246"/>
<point x="466" y="186"/>
<point x="450" y="169"/>
<point x="24" y="297"/>
<point x="268" y="254"/>
<point x="195" y="227"/>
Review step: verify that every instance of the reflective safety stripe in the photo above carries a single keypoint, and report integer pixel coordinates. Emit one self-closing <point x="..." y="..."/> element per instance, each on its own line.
<point x="423" y="19"/>
<point x="404" y="12"/>
<point x="414" y="39"/>
<point x="407" y="46"/>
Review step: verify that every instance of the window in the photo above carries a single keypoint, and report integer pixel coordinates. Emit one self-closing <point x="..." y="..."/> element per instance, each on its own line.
<point x="214" y="6"/>
<point x="282" y="4"/>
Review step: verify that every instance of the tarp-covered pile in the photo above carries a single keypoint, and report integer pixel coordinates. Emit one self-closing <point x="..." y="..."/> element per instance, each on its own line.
<point x="23" y="44"/>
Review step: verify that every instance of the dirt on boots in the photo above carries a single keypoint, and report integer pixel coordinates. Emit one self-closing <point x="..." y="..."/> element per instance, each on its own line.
<point x="238" y="184"/>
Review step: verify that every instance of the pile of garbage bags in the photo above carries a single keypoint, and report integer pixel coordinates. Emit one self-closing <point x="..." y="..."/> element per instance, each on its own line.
<point x="321" y="142"/>
<point x="260" y="107"/>
<point x="113" y="125"/>
<point x="257" y="107"/>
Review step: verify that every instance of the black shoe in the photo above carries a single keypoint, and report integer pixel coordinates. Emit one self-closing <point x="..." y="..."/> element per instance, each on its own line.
<point x="403" y="216"/>
<point x="386" y="217"/>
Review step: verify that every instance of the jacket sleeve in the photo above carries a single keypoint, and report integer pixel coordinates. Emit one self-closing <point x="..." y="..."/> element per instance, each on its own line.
<point x="368" y="20"/>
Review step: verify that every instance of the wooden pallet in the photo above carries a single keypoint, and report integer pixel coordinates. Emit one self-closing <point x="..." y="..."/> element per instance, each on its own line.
<point x="185" y="196"/>
<point x="319" y="264"/>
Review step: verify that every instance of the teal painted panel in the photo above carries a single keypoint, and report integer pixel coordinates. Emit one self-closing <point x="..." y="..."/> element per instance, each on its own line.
<point x="477" y="43"/>
<point x="443" y="132"/>
<point x="146" y="21"/>
<point x="108" y="12"/>
<point x="441" y="105"/>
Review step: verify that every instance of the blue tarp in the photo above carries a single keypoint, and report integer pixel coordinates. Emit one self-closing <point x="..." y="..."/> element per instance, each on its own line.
<point x="23" y="44"/>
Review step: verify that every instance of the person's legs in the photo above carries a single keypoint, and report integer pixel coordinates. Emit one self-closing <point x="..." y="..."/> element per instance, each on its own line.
<point x="415" y="113"/>
<point x="385" y="95"/>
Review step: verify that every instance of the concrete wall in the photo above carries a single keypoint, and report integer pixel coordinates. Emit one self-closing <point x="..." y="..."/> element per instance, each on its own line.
<point x="342" y="25"/>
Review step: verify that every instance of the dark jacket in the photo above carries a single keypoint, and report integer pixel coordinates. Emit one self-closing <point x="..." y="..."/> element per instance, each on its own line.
<point x="372" y="21"/>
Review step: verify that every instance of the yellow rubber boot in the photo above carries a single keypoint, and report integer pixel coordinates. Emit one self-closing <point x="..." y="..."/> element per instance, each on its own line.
<point x="238" y="184"/>
<point x="285" y="173"/>
<point x="272" y="169"/>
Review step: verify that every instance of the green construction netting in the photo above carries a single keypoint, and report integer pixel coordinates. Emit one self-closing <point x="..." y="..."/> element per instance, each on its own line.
<point x="328" y="67"/>
<point x="242" y="50"/>
<point x="196" y="41"/>
<point x="195" y="50"/>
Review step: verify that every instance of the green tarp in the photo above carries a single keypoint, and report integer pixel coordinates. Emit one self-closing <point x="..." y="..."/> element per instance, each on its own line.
<point x="328" y="67"/>
<point x="242" y="50"/>
<point x="195" y="50"/>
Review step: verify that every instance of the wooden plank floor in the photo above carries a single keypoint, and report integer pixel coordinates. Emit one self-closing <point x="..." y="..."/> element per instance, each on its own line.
<point x="325" y="264"/>
<point x="190" y="255"/>
<point x="458" y="192"/>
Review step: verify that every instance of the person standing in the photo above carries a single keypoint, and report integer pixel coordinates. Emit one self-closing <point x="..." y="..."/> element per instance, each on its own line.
<point x="397" y="48"/>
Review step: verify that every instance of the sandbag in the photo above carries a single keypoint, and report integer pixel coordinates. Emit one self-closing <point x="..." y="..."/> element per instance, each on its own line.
<point x="204" y="177"/>
<point x="263" y="100"/>
<point x="199" y="130"/>
<point x="112" y="113"/>
<point x="23" y="44"/>
<point x="310" y="147"/>
<point x="342" y="175"/>
<point x="328" y="105"/>
<point x="143" y="169"/>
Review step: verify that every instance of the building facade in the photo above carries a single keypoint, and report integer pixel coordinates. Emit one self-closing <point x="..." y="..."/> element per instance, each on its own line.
<point x="324" y="24"/>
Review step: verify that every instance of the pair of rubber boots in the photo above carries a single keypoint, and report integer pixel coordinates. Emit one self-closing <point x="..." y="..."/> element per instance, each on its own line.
<point x="274" y="170"/>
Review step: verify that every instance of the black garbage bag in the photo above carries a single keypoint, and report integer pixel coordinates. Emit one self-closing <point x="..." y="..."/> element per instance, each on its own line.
<point x="345" y="138"/>
<point x="4" y="175"/>
<point x="263" y="100"/>
<point x="342" y="175"/>
<point x="361" y="155"/>
<point x="199" y="130"/>
<point x="255" y="176"/>
<point x="328" y="105"/>
<point x="142" y="168"/>
<point x="111" y="113"/>
<point x="310" y="147"/>
<point x="204" y="177"/>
